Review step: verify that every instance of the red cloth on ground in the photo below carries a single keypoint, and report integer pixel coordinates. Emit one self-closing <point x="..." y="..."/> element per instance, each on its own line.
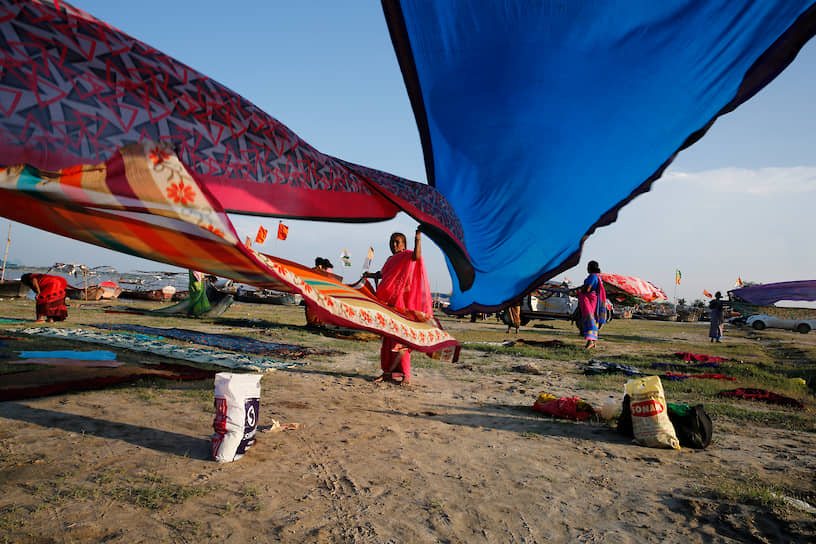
<point x="701" y="358"/>
<point x="567" y="407"/>
<point x="749" y="393"/>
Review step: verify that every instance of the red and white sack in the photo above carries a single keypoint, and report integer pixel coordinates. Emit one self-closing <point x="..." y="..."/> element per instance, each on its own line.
<point x="650" y="420"/>
<point x="237" y="402"/>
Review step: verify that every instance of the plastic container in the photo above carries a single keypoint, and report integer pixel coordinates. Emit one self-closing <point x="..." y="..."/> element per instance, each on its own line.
<point x="610" y="407"/>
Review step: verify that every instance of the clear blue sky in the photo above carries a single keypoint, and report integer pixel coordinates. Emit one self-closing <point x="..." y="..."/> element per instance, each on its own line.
<point x="740" y="203"/>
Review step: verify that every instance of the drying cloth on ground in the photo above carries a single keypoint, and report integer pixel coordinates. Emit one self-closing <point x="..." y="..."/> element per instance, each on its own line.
<point x="67" y="354"/>
<point x="224" y="341"/>
<point x="691" y="365"/>
<point x="51" y="361"/>
<point x="196" y="355"/>
<point x="536" y="343"/>
<point x="566" y="407"/>
<point x="700" y="358"/>
<point x="749" y="393"/>
<point x="604" y="367"/>
<point x="518" y="342"/>
<point x="52" y="381"/>
<point x="679" y="377"/>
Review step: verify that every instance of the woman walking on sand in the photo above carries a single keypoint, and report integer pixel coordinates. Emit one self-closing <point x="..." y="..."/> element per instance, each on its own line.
<point x="592" y="304"/>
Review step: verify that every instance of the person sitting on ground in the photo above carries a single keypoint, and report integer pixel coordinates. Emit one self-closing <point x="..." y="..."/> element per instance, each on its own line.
<point x="50" y="300"/>
<point x="404" y="286"/>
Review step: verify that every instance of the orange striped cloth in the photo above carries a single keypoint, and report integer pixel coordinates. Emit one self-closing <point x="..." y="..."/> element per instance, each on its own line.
<point x="144" y="202"/>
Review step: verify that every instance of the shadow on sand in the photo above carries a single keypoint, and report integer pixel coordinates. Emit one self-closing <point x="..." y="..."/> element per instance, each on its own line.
<point x="146" y="437"/>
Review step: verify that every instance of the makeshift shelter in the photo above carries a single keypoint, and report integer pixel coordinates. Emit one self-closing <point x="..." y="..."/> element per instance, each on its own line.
<point x="761" y="299"/>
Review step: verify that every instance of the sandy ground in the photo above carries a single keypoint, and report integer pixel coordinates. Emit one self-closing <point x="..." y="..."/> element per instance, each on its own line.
<point x="457" y="457"/>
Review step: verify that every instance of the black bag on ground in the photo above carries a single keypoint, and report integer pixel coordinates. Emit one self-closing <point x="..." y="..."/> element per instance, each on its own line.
<point x="691" y="423"/>
<point x="625" y="419"/>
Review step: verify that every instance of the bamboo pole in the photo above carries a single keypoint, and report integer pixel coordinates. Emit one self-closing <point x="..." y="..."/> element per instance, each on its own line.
<point x="5" y="255"/>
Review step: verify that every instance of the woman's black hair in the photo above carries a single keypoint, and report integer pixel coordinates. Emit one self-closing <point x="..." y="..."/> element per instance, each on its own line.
<point x="593" y="267"/>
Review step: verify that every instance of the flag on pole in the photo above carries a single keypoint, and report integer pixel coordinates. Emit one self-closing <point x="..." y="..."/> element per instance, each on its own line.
<point x="706" y="293"/>
<point x="283" y="231"/>
<point x="738" y="283"/>
<point x="248" y="242"/>
<point x="369" y="258"/>
<point x="346" y="258"/>
<point x="677" y="277"/>
<point x="261" y="236"/>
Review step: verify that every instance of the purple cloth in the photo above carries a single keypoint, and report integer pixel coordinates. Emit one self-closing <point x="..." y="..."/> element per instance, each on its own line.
<point x="767" y="294"/>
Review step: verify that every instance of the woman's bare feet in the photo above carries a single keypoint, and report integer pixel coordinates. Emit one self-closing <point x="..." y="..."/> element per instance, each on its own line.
<point x="40" y="320"/>
<point x="405" y="381"/>
<point x="590" y="344"/>
<point x="381" y="377"/>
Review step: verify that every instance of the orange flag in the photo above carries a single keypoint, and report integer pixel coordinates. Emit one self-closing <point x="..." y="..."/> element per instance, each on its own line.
<point x="261" y="236"/>
<point x="706" y="293"/>
<point x="283" y="231"/>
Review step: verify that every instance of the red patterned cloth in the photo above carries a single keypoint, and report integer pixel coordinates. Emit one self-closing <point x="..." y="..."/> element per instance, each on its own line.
<point x="636" y="287"/>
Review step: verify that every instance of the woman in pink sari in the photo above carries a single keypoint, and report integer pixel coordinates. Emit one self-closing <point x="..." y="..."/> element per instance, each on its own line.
<point x="404" y="286"/>
<point x="592" y="303"/>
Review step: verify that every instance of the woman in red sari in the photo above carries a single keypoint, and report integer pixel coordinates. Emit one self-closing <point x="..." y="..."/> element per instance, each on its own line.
<point x="50" y="296"/>
<point x="404" y="286"/>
